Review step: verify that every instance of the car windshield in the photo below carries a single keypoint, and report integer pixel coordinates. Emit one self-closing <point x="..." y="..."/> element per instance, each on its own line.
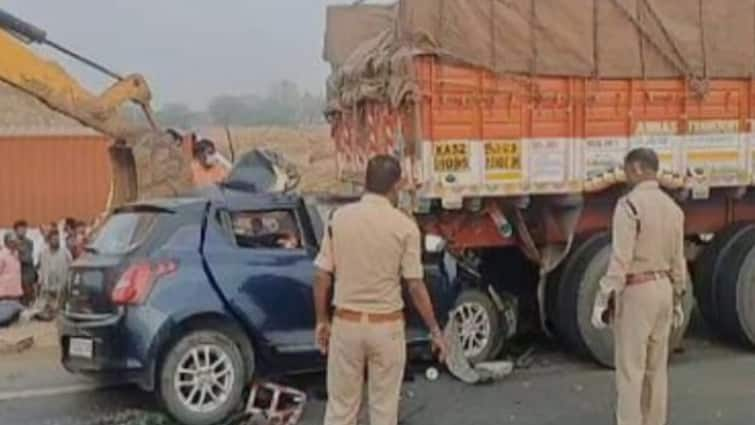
<point x="123" y="232"/>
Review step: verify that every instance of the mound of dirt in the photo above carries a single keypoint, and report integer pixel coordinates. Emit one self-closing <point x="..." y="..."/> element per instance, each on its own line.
<point x="21" y="113"/>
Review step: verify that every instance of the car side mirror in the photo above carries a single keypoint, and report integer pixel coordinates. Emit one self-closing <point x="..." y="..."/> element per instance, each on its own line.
<point x="434" y="244"/>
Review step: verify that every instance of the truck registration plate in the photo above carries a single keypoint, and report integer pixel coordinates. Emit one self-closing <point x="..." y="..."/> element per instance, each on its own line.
<point x="451" y="157"/>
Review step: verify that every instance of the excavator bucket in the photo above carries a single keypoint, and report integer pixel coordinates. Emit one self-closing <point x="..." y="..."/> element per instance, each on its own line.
<point x="150" y="165"/>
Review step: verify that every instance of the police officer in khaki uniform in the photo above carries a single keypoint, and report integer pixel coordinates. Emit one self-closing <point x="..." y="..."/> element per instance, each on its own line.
<point x="370" y="248"/>
<point x="646" y="282"/>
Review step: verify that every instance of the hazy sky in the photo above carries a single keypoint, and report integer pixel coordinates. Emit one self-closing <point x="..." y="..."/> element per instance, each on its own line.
<point x="190" y="50"/>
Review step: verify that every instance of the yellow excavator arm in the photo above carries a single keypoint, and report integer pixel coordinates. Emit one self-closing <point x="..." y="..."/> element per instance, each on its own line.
<point x="146" y="162"/>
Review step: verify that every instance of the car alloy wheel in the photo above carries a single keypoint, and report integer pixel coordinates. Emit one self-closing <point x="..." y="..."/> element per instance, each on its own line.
<point x="474" y="328"/>
<point x="204" y="378"/>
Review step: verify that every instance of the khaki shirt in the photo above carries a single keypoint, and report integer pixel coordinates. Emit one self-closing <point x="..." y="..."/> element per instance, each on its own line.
<point x="374" y="245"/>
<point x="648" y="236"/>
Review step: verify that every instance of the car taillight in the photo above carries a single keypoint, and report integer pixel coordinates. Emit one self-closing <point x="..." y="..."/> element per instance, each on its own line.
<point x="137" y="281"/>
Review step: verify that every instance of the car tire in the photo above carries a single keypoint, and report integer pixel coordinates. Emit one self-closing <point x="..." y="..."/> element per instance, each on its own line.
<point x="198" y="351"/>
<point x="736" y="291"/>
<point x="706" y="271"/>
<point x="479" y="325"/>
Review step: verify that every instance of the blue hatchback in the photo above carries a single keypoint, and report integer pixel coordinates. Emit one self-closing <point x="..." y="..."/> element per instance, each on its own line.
<point x="192" y="297"/>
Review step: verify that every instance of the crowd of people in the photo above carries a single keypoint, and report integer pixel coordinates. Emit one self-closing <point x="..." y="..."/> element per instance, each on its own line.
<point x="36" y="280"/>
<point x="34" y="270"/>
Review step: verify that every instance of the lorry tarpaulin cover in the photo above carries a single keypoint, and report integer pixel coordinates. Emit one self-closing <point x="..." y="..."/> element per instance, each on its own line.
<point x="695" y="39"/>
<point x="349" y="26"/>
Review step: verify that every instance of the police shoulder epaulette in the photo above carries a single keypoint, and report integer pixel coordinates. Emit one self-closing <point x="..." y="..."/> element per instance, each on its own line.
<point x="634" y="211"/>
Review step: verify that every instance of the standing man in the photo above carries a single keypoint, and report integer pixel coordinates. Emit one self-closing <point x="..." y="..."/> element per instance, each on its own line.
<point x="370" y="247"/>
<point x="646" y="280"/>
<point x="54" y="263"/>
<point x="10" y="270"/>
<point x="208" y="167"/>
<point x="80" y="240"/>
<point x="25" y="249"/>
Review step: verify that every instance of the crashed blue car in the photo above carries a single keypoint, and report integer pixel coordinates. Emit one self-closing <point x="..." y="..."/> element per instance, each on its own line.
<point x="193" y="296"/>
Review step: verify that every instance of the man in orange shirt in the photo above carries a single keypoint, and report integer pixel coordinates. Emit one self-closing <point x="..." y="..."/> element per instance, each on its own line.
<point x="207" y="168"/>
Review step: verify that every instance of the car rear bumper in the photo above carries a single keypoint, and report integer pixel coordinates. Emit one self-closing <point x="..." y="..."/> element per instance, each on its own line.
<point x="111" y="358"/>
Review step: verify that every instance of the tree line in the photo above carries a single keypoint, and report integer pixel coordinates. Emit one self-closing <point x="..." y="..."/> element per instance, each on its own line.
<point x="284" y="104"/>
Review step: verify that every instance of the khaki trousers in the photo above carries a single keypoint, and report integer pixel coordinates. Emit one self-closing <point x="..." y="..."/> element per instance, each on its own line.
<point x="354" y="346"/>
<point x="642" y="328"/>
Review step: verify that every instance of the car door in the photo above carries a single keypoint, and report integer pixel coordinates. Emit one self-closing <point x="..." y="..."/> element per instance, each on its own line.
<point x="268" y="287"/>
<point x="440" y="285"/>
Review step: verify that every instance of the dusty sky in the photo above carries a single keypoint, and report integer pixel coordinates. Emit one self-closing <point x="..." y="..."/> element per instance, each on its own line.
<point x="190" y="50"/>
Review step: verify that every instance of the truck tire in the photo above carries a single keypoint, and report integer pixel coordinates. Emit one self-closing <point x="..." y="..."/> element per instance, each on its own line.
<point x="479" y="324"/>
<point x="706" y="270"/>
<point x="735" y="289"/>
<point x="576" y="296"/>
<point x="580" y="285"/>
<point x="688" y="304"/>
<point x="199" y="362"/>
<point x="556" y="281"/>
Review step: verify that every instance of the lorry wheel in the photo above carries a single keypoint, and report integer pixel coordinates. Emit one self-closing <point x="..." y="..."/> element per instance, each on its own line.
<point x="707" y="267"/>
<point x="576" y="296"/>
<point x="736" y="291"/>
<point x="580" y="285"/>
<point x="202" y="378"/>
<point x="556" y="280"/>
<point x="479" y="326"/>
<point x="688" y="304"/>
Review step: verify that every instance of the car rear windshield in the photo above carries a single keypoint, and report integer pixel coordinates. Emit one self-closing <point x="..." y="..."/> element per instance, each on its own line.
<point x="123" y="232"/>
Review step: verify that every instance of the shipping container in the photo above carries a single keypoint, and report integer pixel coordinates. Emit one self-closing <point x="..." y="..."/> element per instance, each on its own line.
<point x="45" y="178"/>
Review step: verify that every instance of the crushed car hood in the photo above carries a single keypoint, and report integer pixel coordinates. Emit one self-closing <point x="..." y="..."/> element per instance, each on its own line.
<point x="263" y="170"/>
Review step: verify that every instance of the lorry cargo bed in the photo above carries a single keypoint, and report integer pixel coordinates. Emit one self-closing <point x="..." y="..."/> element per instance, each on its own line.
<point x="478" y="134"/>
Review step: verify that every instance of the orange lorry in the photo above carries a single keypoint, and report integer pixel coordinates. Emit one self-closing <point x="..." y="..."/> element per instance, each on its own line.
<point x="512" y="120"/>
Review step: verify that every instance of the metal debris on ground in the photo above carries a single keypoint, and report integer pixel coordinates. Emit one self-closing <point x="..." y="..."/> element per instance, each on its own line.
<point x="460" y="367"/>
<point x="274" y="404"/>
<point x="526" y="360"/>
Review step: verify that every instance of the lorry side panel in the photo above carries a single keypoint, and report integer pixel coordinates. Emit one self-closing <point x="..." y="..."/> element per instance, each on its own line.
<point x="470" y="135"/>
<point x="487" y="135"/>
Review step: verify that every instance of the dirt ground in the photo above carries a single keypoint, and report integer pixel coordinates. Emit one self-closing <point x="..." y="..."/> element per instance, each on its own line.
<point x="44" y="333"/>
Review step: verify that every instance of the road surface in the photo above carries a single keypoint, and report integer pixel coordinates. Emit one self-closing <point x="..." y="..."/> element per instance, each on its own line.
<point x="712" y="384"/>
